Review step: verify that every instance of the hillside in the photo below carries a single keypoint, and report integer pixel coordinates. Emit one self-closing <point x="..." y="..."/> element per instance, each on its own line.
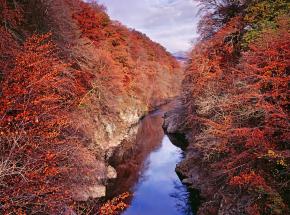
<point x="234" y="109"/>
<point x="73" y="85"/>
<point x="180" y="56"/>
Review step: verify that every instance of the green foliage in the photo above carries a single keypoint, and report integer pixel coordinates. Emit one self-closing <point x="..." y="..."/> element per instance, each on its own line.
<point x="262" y="15"/>
<point x="266" y="11"/>
<point x="257" y="32"/>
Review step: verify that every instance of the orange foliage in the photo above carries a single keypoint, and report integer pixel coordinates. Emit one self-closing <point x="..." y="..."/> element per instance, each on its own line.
<point x="36" y="95"/>
<point x="217" y="14"/>
<point x="237" y="106"/>
<point x="134" y="56"/>
<point x="268" y="62"/>
<point x="114" y="206"/>
<point x="248" y="179"/>
<point x="92" y="21"/>
<point x="32" y="118"/>
<point x="40" y="91"/>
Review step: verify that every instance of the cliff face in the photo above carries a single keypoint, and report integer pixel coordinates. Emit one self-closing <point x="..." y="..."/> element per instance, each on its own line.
<point x="234" y="109"/>
<point x="73" y="87"/>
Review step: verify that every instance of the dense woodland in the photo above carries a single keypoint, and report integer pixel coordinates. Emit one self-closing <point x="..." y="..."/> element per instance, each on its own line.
<point x="236" y="106"/>
<point x="65" y="67"/>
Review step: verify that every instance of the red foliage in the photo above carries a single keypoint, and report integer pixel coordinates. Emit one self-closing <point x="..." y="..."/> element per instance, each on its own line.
<point x="134" y="57"/>
<point x="268" y="62"/>
<point x="92" y="20"/>
<point x="217" y="14"/>
<point x="10" y="13"/>
<point x="32" y="118"/>
<point x="39" y="145"/>
<point x="237" y="106"/>
<point x="114" y="206"/>
<point x="37" y="95"/>
<point x="248" y="179"/>
<point x="253" y="210"/>
<point x="8" y="48"/>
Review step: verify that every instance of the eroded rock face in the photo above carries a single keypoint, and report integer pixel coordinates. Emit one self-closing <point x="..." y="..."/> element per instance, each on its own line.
<point x="84" y="193"/>
<point x="173" y="120"/>
<point x="191" y="169"/>
<point x="128" y="158"/>
<point x="106" y="139"/>
<point x="111" y="173"/>
<point x="130" y="116"/>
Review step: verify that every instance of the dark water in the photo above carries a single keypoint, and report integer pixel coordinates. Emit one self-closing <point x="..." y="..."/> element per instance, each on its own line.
<point x="149" y="173"/>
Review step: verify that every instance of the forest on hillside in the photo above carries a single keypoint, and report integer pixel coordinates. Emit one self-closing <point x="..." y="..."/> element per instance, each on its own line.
<point x="75" y="85"/>
<point x="235" y="108"/>
<point x="70" y="82"/>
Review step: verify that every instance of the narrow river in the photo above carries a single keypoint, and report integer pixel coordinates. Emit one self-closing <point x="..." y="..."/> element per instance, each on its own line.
<point x="149" y="173"/>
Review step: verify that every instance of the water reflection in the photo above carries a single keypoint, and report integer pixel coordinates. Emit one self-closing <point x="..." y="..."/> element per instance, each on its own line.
<point x="149" y="172"/>
<point x="160" y="191"/>
<point x="133" y="162"/>
<point x="187" y="201"/>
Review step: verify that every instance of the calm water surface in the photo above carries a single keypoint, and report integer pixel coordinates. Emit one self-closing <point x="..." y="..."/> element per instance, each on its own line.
<point x="159" y="190"/>
<point x="148" y="171"/>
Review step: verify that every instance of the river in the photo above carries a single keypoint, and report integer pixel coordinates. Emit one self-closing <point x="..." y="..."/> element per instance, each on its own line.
<point x="149" y="173"/>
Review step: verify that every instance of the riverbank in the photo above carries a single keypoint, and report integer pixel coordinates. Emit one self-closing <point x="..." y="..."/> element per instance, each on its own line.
<point x="81" y="82"/>
<point x="128" y="157"/>
<point x="146" y="168"/>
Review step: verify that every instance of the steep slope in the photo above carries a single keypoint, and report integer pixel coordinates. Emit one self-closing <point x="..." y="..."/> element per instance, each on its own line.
<point x="73" y="87"/>
<point x="234" y="109"/>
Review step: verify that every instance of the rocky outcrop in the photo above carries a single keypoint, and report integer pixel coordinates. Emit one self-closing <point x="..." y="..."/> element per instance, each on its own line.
<point x="84" y="193"/>
<point x="111" y="172"/>
<point x="82" y="83"/>
<point x="107" y="141"/>
<point x="190" y="170"/>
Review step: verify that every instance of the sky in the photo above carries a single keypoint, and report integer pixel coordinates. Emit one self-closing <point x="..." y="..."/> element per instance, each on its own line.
<point x="172" y="23"/>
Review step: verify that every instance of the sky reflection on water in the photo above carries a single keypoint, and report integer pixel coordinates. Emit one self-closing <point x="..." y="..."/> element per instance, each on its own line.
<point x="159" y="190"/>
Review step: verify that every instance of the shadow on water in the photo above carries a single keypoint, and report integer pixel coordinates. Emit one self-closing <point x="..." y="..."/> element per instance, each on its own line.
<point x="147" y="169"/>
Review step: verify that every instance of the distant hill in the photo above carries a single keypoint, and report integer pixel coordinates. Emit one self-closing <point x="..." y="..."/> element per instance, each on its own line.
<point x="181" y="56"/>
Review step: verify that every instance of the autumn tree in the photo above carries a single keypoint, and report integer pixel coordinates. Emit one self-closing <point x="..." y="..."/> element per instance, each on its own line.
<point x="235" y="102"/>
<point x="64" y="64"/>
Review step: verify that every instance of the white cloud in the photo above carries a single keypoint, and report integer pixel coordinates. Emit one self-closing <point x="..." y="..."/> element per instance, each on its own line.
<point x="171" y="23"/>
